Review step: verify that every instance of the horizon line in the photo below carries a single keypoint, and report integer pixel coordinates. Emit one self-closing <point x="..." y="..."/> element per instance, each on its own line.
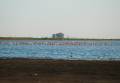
<point x="19" y="37"/>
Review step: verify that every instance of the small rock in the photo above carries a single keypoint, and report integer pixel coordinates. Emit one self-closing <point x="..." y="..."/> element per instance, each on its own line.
<point x="35" y="74"/>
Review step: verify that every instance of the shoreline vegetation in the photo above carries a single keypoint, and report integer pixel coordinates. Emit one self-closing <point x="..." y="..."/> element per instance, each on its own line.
<point x="52" y="59"/>
<point x="31" y="38"/>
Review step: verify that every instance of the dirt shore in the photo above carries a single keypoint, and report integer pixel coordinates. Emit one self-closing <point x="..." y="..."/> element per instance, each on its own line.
<point x="59" y="71"/>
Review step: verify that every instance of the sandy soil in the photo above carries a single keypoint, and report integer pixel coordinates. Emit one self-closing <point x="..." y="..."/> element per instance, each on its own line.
<point x="59" y="71"/>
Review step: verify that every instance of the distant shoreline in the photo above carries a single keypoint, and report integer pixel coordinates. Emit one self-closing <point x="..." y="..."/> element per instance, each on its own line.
<point x="31" y="38"/>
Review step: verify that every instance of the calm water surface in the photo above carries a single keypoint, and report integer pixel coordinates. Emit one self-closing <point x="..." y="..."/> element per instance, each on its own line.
<point x="47" y="49"/>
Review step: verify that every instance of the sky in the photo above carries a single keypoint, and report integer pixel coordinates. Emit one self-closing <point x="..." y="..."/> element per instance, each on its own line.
<point x="74" y="18"/>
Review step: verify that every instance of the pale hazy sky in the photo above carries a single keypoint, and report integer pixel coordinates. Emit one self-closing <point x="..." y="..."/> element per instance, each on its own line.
<point x="75" y="18"/>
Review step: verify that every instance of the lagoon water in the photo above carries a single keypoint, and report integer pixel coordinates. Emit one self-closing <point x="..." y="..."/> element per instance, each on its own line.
<point x="64" y="49"/>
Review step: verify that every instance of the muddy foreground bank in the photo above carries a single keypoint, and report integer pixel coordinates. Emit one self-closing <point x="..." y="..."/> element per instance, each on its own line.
<point x="59" y="71"/>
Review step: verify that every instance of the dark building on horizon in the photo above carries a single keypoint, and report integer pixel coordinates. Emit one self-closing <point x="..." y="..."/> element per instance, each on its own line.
<point x="58" y="35"/>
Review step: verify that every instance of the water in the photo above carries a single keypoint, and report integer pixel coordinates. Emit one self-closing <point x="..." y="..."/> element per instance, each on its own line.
<point x="72" y="50"/>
